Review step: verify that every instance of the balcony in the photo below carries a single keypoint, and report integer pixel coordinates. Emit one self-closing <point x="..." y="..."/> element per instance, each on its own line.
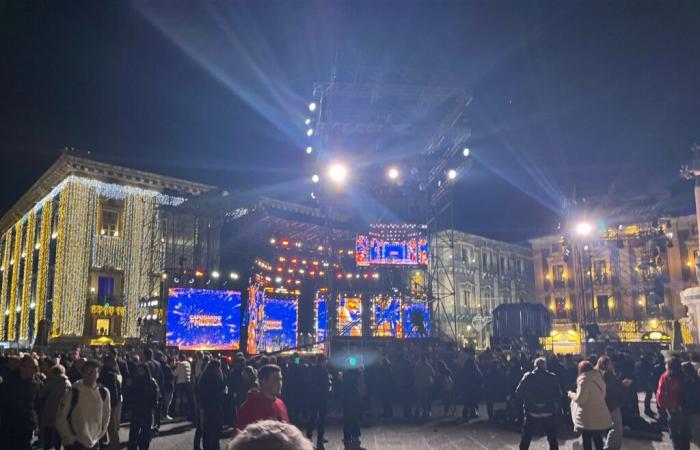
<point x="113" y="300"/>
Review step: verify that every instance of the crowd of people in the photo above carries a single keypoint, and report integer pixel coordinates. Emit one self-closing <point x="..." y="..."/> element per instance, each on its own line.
<point x="79" y="399"/>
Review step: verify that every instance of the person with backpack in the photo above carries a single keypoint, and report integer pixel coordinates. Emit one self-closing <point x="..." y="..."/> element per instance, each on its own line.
<point x="84" y="413"/>
<point x="143" y="391"/>
<point x="670" y="397"/>
<point x="50" y="395"/>
<point x="540" y="392"/>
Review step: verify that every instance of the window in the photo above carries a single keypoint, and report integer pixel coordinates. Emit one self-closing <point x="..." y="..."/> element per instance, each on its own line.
<point x="502" y="263"/>
<point x="558" y="274"/>
<point x="600" y="274"/>
<point x="105" y="288"/>
<point x="556" y="248"/>
<point x="560" y="306"/>
<point x="464" y="254"/>
<point x="603" y="306"/>
<point x="467" y="297"/>
<point x="110" y="222"/>
<point x="484" y="260"/>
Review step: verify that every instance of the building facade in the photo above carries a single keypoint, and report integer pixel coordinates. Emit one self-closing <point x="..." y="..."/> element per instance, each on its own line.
<point x="626" y="280"/>
<point x="472" y="276"/>
<point x="82" y="249"/>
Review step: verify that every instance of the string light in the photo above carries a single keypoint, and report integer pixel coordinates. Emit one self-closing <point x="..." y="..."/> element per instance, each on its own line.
<point x="5" y="283"/>
<point x="27" y="281"/>
<point x="11" y="325"/>
<point x="43" y="266"/>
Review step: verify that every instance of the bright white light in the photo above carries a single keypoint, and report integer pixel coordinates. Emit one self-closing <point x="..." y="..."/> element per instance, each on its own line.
<point x="309" y="150"/>
<point x="465" y="152"/>
<point x="215" y="274"/>
<point x="307" y="121"/>
<point x="584" y="228"/>
<point x="233" y="276"/>
<point x="393" y="173"/>
<point x="451" y="174"/>
<point x="278" y="280"/>
<point x="313" y="196"/>
<point x="18" y="309"/>
<point x="32" y="305"/>
<point x="312" y="106"/>
<point x="315" y="178"/>
<point x="310" y="132"/>
<point x="337" y="172"/>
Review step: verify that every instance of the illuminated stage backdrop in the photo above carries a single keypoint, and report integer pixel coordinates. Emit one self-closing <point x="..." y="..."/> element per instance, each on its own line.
<point x="416" y="320"/>
<point x="370" y="250"/>
<point x="387" y="317"/>
<point x="203" y="319"/>
<point x="350" y="316"/>
<point x="255" y="319"/>
<point x="279" y="324"/>
<point x="321" y="319"/>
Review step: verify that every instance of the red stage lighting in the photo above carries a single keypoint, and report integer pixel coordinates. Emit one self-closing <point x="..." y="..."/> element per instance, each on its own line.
<point x="285" y="243"/>
<point x="198" y="273"/>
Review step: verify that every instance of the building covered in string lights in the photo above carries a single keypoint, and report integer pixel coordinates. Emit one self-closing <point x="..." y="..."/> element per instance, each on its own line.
<point x="82" y="248"/>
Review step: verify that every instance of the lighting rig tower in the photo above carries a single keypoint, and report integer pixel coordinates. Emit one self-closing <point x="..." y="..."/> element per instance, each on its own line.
<point x="387" y="146"/>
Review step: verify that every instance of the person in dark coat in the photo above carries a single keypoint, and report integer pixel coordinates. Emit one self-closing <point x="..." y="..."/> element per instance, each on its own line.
<point x="18" y="394"/>
<point x="111" y="379"/>
<point x="319" y="388"/>
<point x="157" y="373"/>
<point x="541" y="394"/>
<point x="210" y="396"/>
<point x="352" y="406"/>
<point x="143" y="392"/>
<point x="472" y="382"/>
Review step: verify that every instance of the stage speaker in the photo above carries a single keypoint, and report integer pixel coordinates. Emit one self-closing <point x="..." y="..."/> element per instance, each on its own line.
<point x="521" y="320"/>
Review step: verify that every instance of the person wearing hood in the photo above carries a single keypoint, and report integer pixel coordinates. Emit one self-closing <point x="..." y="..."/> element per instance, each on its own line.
<point x="589" y="411"/>
<point x="50" y="395"/>
<point x="210" y="397"/>
<point x="143" y="391"/>
<point x="264" y="403"/>
<point x="84" y="413"/>
<point x="670" y="396"/>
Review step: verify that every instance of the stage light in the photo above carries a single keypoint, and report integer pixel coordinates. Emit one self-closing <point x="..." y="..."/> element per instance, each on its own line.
<point x="278" y="280"/>
<point x="309" y="150"/>
<point x="307" y="121"/>
<point x="215" y="274"/>
<point x="233" y="276"/>
<point x="285" y="243"/>
<point x="191" y="281"/>
<point x="198" y="273"/>
<point x="584" y="229"/>
<point x="312" y="106"/>
<point x="164" y="276"/>
<point x="315" y="178"/>
<point x="313" y="196"/>
<point x="337" y="172"/>
<point x="465" y="152"/>
<point x="451" y="174"/>
<point x="310" y="132"/>
<point x="176" y="279"/>
<point x="272" y="241"/>
<point x="393" y="173"/>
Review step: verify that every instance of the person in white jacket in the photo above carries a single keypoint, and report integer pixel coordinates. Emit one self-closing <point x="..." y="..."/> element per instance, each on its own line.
<point x="83" y="415"/>
<point x="589" y="411"/>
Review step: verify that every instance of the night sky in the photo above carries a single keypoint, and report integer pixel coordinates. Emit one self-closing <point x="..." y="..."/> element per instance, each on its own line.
<point x="571" y="99"/>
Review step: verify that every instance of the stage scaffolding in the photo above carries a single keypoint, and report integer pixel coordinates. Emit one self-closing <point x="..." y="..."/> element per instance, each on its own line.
<point x="410" y="118"/>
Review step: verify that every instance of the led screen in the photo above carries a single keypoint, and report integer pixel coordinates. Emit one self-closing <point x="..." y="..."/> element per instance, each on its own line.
<point x="203" y="319"/>
<point x="350" y="316"/>
<point x="387" y="317"/>
<point x="255" y="322"/>
<point x="321" y="319"/>
<point x="370" y="250"/>
<point x="416" y="320"/>
<point x="279" y="324"/>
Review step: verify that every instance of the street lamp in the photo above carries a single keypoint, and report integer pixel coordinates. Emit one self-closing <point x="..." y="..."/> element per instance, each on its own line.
<point x="584" y="229"/>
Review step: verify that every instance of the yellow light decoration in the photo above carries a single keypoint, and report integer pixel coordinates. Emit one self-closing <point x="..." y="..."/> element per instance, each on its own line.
<point x="5" y="281"/>
<point x="14" y="287"/>
<point x="27" y="276"/>
<point x="56" y="328"/>
<point x="107" y="310"/>
<point x="43" y="266"/>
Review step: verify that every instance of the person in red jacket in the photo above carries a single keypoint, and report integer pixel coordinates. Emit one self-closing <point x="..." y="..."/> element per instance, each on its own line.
<point x="264" y="403"/>
<point x="669" y="397"/>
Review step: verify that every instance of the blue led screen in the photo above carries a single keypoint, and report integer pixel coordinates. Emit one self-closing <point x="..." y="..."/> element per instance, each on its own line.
<point x="203" y="319"/>
<point x="387" y="317"/>
<point x="279" y="324"/>
<point x="416" y="320"/>
<point x="321" y="319"/>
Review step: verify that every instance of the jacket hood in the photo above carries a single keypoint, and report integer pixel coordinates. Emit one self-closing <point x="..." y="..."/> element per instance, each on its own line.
<point x="594" y="376"/>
